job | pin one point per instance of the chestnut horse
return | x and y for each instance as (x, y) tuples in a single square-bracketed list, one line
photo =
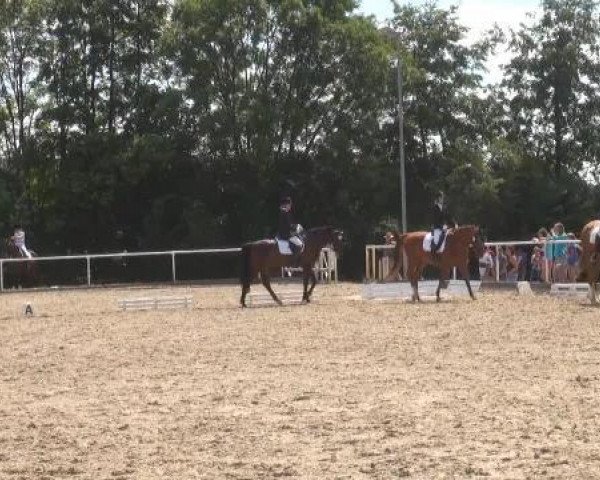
[(590, 257), (461, 243), (263, 256)]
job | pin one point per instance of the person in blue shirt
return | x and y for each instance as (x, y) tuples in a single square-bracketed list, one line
[(559, 251)]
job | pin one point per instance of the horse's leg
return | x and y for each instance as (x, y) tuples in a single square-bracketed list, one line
[(245, 290), (414, 281), (313, 282), (266, 281), (305, 297), (444, 275), (440, 286), (464, 271)]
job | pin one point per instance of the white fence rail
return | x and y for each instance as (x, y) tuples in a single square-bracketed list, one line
[(378, 266), (326, 270)]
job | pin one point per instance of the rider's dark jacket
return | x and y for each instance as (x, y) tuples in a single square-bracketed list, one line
[(287, 226), (441, 217)]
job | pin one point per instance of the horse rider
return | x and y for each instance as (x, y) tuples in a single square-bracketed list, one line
[(441, 222), (288, 229), (18, 238)]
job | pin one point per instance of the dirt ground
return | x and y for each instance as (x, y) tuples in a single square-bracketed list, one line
[(506, 387)]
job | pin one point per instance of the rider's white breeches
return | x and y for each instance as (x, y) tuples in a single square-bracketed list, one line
[(437, 234), (24, 251)]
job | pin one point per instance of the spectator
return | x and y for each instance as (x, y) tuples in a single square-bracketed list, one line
[(391, 263), (486, 265), (524, 257), (545, 237), (502, 263), (573, 255), (537, 264), (512, 265), (559, 258)]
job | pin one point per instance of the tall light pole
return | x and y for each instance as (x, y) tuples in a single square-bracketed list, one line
[(401, 146)]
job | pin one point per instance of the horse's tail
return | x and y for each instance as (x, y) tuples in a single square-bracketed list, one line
[(246, 274), (397, 268)]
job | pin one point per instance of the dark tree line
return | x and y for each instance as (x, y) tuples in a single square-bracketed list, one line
[(150, 124)]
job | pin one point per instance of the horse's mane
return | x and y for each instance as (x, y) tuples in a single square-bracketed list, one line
[(466, 228), (326, 228)]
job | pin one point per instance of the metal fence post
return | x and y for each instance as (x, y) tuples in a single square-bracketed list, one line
[(497, 263), (173, 269), (88, 262)]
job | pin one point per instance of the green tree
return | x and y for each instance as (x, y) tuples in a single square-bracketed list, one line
[(552, 86)]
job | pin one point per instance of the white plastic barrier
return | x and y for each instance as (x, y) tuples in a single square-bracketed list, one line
[(570, 290), (155, 303)]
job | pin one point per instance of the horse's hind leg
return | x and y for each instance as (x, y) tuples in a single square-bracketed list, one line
[(305, 297), (266, 281), (313, 282)]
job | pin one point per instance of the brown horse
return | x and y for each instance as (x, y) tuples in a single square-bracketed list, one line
[(263, 256), (461, 243), (590, 257), (23, 273)]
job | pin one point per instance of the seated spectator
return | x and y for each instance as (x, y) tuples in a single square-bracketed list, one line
[(537, 264), (573, 255)]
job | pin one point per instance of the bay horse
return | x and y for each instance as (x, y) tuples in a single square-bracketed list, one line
[(260, 257), (590, 257), (461, 244), (23, 273)]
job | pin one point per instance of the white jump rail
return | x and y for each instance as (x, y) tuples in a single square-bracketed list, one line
[(570, 290), (291, 297), (155, 303), (167, 253)]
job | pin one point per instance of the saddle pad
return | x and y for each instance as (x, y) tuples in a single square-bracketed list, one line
[(429, 239), (284, 247)]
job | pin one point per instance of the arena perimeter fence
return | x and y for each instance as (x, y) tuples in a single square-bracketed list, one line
[(377, 264), (174, 266)]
